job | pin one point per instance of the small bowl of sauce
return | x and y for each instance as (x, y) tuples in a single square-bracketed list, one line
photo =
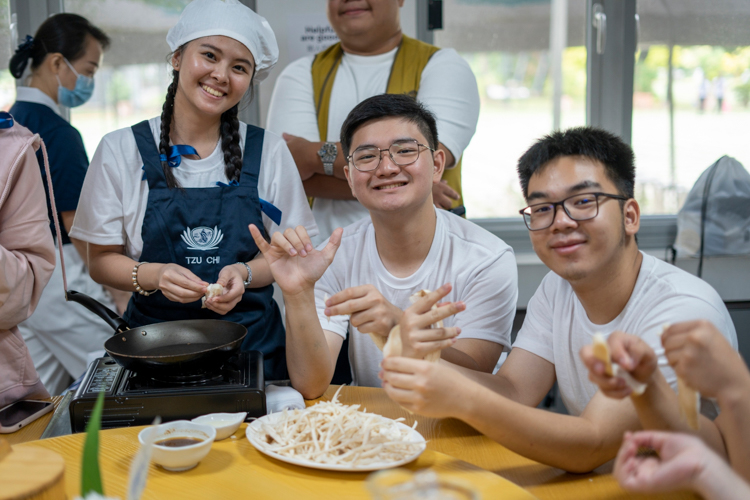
[(179, 445), (178, 442)]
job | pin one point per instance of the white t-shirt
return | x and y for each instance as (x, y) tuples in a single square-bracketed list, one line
[(480, 266), (557, 326), (114, 195), (447, 88)]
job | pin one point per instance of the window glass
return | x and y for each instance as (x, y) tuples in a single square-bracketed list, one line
[(7, 83), (710, 94), (132, 82), (506, 43)]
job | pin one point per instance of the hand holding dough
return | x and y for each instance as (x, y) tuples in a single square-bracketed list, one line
[(601, 352), (394, 346), (212, 290)]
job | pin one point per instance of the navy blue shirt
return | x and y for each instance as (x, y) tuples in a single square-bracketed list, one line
[(67, 156)]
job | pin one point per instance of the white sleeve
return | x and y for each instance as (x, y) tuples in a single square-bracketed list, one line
[(449, 89), (490, 300), (326, 287), (535, 335), (292, 108), (99, 216), (280, 184)]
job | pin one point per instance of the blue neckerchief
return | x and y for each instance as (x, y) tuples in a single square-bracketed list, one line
[(175, 156), (267, 208), (6, 120), (176, 153)]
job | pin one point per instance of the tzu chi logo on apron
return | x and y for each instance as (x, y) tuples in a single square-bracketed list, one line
[(202, 238)]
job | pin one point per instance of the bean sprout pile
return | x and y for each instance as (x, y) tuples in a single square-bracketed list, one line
[(333, 433)]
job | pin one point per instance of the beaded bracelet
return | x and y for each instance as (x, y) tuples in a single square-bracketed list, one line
[(135, 280)]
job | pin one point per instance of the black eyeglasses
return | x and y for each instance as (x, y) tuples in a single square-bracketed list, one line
[(578, 207), (402, 153)]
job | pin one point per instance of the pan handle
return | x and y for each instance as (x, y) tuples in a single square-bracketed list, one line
[(96, 307)]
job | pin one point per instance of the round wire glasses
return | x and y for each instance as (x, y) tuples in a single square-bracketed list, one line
[(402, 153)]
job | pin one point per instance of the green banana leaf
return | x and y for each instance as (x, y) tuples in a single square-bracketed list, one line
[(91, 479)]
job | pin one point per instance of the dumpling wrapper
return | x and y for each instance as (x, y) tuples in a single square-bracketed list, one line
[(690, 404), (688, 398), (393, 345), (212, 290), (601, 351)]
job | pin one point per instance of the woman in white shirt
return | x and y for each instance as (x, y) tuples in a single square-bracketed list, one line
[(167, 226)]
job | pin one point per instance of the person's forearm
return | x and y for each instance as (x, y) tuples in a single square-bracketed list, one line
[(261, 272), (734, 403), (116, 270), (570, 443), (459, 358), (309, 162), (658, 409), (718, 482), (495, 383), (325, 186), (308, 356)]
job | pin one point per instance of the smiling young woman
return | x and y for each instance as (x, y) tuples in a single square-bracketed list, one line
[(166, 203)]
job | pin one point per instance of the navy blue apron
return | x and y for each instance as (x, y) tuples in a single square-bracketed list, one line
[(203, 230)]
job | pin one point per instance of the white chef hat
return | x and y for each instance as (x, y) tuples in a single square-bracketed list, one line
[(232, 19)]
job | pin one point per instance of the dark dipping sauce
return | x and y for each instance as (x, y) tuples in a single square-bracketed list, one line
[(177, 442)]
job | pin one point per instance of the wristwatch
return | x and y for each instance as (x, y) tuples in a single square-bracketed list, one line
[(327, 154), (249, 274)]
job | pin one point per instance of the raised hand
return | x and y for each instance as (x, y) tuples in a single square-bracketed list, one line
[(631, 353), (370, 312), (703, 358), (418, 338), (232, 279), (295, 264), (179, 284)]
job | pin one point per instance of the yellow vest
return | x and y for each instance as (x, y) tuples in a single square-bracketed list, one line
[(406, 73)]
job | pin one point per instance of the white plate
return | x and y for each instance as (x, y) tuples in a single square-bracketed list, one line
[(255, 426)]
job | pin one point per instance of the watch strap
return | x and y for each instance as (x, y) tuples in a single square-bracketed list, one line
[(249, 274)]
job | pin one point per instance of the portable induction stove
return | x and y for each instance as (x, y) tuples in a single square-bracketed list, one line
[(132, 399)]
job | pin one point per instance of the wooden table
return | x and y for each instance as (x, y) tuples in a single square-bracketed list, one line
[(444, 436)]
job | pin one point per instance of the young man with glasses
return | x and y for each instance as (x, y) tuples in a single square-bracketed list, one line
[(583, 222), (405, 246)]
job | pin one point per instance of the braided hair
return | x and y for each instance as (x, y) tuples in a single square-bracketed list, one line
[(229, 130), (166, 122)]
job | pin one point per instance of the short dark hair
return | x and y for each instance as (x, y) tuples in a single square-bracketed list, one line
[(61, 33), (594, 143), (389, 106)]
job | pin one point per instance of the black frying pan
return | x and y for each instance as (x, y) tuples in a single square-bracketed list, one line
[(173, 348)]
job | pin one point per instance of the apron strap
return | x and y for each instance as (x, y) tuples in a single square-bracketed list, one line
[(150, 155), (251, 157), (251, 169)]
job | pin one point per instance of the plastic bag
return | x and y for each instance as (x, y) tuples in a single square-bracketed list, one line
[(720, 199)]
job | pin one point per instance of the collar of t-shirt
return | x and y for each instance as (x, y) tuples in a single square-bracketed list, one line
[(356, 60), (31, 94), (203, 165), (647, 265), (431, 262)]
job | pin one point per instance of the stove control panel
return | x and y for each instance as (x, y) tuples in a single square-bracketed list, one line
[(104, 378)]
